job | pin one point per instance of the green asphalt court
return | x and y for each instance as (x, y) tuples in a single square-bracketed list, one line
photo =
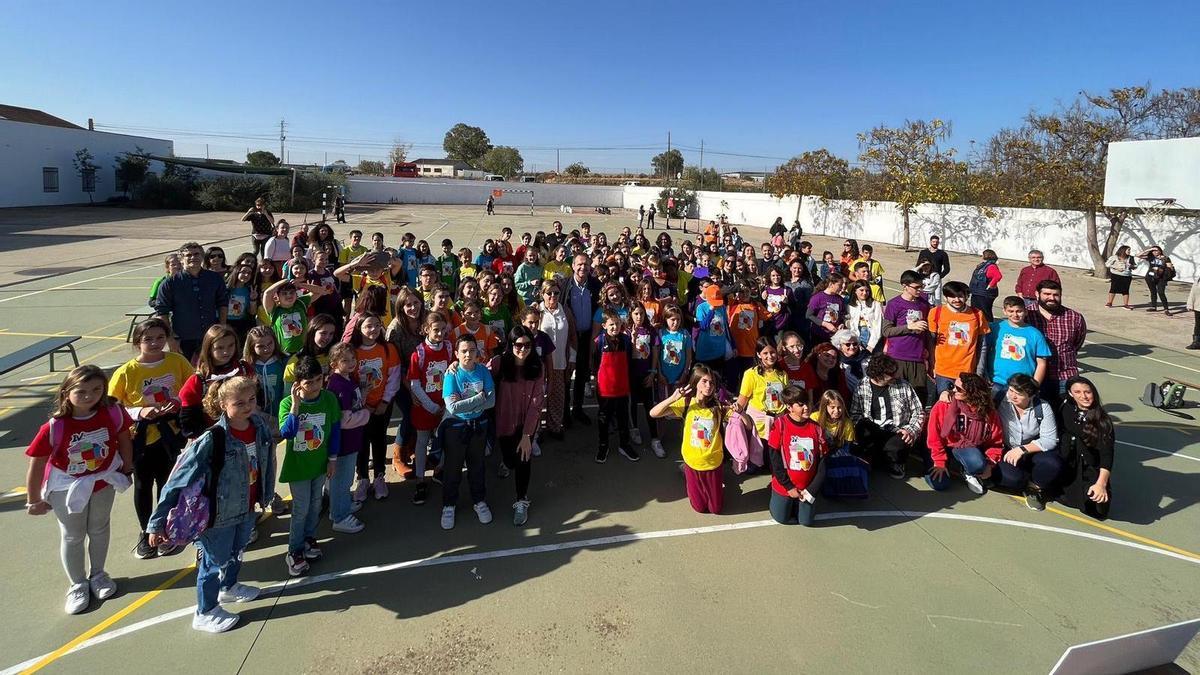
[(614, 571)]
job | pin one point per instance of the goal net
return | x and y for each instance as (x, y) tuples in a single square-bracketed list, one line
[(513, 202)]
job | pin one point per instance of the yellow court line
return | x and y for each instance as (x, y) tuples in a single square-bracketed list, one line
[(100, 627), (139, 603), (1114, 530), (85, 337)]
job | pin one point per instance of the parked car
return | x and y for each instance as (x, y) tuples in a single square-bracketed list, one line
[(492, 176), (631, 183)]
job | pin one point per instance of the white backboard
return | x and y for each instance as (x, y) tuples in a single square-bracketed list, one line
[(1161, 169), (1128, 653)]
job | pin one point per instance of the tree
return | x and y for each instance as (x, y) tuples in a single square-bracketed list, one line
[(85, 168), (682, 206), (399, 152), (131, 169), (1177, 113), (818, 173), (577, 170), (695, 178), (668, 164), (913, 168), (372, 168), (502, 161), (262, 158), (465, 143)]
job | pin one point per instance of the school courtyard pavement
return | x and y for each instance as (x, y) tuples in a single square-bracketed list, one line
[(614, 570)]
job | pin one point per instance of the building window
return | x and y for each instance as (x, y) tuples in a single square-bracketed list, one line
[(122, 185), (437, 170), (49, 179), (89, 180)]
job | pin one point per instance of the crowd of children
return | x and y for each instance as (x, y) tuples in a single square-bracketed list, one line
[(774, 359)]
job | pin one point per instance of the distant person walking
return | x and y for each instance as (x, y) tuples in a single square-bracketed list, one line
[(1120, 274), (262, 225), (491, 205), (339, 208), (641, 215), (650, 216)]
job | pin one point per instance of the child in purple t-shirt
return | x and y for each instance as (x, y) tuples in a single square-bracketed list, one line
[(342, 366), (906, 331), (827, 309)]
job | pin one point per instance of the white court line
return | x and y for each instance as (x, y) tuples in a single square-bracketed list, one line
[(275, 589), (1129, 353), (76, 283), (1161, 452)]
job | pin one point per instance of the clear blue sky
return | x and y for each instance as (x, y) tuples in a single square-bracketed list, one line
[(754, 78)]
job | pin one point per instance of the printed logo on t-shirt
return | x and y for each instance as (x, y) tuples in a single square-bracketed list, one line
[(642, 345), (702, 432), (774, 303), (252, 459), (471, 388), (87, 451), (800, 453), (370, 372), (237, 308), (497, 326), (650, 313), (664, 292), (773, 396), (913, 315), (831, 313), (1012, 347), (447, 268), (312, 432), (745, 319), (435, 372), (960, 333), (717, 327), (291, 325), (156, 391)]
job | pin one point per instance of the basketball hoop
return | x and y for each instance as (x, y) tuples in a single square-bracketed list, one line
[(1156, 207)]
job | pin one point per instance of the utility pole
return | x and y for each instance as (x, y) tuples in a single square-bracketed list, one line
[(701, 163), (282, 138), (668, 159), (206, 151), (557, 166)]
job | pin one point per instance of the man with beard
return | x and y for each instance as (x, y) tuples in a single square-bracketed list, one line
[(852, 358), (1065, 330), (936, 256), (556, 238)]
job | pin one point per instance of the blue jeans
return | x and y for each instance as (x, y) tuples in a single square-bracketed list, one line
[(306, 511), (220, 561), (788, 511), (973, 462), (339, 487), (941, 384)]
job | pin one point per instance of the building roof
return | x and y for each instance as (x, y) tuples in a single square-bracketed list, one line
[(444, 162), (30, 116)]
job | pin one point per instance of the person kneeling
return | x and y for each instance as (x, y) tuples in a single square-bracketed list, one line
[(1030, 440), (969, 426), (797, 445)]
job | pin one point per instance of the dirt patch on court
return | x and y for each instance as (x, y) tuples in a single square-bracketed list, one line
[(457, 649)]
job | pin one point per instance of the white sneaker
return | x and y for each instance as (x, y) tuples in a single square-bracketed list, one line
[(79, 596), (349, 524), (237, 593), (216, 621), (447, 517), (974, 484), (380, 487), (656, 447), (360, 490), (103, 587), (635, 435), (484, 513)]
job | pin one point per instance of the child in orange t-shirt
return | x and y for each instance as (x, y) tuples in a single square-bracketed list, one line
[(745, 319), (472, 324), (960, 331)]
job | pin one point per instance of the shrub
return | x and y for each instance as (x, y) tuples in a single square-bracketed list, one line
[(155, 192), (230, 193), (309, 187)]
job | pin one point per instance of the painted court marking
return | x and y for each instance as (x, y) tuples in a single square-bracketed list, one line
[(95, 636), (76, 283)]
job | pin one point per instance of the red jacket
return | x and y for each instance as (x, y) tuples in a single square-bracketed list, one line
[(991, 442), (612, 370)]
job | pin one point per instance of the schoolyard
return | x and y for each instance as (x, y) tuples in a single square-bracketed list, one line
[(614, 570)]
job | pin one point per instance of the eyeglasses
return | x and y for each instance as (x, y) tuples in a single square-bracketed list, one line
[(958, 388), (522, 344)]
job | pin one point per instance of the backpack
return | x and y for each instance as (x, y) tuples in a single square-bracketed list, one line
[(1165, 396), (846, 477), (979, 281), (196, 509)]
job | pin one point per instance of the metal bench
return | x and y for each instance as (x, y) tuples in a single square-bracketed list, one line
[(137, 316), (62, 344)]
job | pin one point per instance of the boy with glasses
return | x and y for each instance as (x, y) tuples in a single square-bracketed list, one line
[(906, 331)]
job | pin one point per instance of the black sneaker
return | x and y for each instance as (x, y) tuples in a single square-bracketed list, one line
[(582, 418), (144, 551), (896, 470), (420, 493), (629, 453), (602, 455), (1034, 501)]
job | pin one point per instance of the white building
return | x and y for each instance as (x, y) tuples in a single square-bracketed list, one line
[(38, 150), (445, 168)]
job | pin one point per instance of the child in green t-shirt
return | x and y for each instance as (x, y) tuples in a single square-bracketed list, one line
[(289, 311), (310, 423), (448, 264)]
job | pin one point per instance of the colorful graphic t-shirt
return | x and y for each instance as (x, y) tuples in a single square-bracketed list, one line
[(765, 393), (306, 456), (427, 367), (375, 365), (901, 312), (828, 308), (802, 446), (1016, 350), (249, 440), (643, 341), (289, 324), (485, 340), (702, 446), (675, 347), (350, 399), (239, 303), (745, 319), (139, 385), (464, 384), (958, 336), (711, 341), (85, 446)]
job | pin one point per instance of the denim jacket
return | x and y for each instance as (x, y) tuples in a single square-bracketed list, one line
[(233, 502)]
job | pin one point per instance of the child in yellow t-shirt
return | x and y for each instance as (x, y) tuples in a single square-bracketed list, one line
[(761, 393), (702, 447)]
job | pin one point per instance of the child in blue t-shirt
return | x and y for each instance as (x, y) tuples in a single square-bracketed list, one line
[(1016, 347), (468, 391)]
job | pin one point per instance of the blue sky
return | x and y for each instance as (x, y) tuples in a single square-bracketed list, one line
[(765, 79)]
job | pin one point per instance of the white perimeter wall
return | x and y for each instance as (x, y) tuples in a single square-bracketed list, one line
[(26, 148), (432, 191)]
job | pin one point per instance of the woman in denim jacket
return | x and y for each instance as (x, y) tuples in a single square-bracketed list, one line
[(247, 477)]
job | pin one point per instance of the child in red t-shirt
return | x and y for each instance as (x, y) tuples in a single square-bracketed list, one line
[(612, 361), (797, 445), (426, 371), (73, 463)]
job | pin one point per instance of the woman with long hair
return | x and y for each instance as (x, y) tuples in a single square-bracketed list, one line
[(520, 391), (1120, 274), (969, 427), (1086, 446)]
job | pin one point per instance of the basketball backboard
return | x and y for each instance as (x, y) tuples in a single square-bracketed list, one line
[(1164, 169)]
